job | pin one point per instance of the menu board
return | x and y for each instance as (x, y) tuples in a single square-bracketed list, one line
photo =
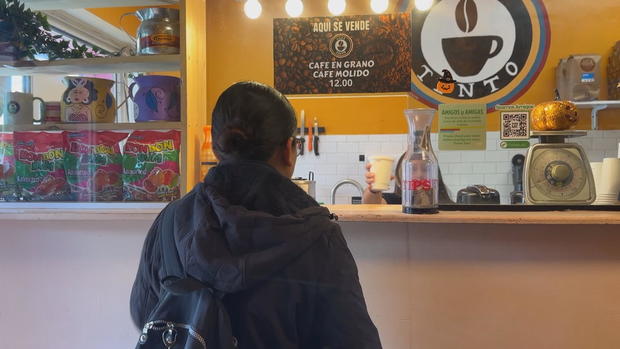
[(369, 53), (462, 127)]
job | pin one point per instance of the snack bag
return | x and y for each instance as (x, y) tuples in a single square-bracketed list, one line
[(8, 187), (39, 166), (93, 162), (151, 166)]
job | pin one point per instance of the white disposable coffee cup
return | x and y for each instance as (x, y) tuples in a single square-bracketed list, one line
[(597, 171), (381, 166), (610, 176)]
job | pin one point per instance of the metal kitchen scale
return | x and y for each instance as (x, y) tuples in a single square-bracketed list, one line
[(558, 173)]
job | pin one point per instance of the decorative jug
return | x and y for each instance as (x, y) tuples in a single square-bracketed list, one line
[(158, 32), (420, 184), (158, 98), (87, 100)]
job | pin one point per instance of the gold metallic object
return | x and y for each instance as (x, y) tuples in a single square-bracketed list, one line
[(554, 116)]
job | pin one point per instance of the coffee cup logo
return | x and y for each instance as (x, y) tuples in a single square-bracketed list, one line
[(341, 45), (485, 44)]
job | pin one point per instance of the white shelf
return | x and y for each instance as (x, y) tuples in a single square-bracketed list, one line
[(152, 63), (596, 106), (154, 125), (67, 4)]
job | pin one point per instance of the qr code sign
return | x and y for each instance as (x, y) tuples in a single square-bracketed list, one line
[(515, 125)]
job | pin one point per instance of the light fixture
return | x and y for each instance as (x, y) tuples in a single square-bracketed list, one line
[(294, 8), (336, 7), (252, 9), (379, 6), (423, 5)]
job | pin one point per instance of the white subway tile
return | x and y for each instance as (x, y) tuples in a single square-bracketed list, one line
[(471, 179), (333, 138), (357, 138), (503, 167), (494, 179), (449, 156), (327, 169), (390, 148), (347, 147), (496, 155), (460, 168), (336, 158), (472, 155), (451, 179), (612, 134), (347, 170), (483, 167), (604, 144)]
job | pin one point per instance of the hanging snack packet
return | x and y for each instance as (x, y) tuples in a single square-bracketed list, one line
[(39, 166), (151, 166), (94, 165), (8, 187)]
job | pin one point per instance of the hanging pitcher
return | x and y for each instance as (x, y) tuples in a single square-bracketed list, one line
[(158, 98), (158, 32), (420, 184)]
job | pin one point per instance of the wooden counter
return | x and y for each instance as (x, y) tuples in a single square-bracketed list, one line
[(345, 213), (392, 213)]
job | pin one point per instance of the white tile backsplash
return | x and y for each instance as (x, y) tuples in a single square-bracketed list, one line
[(339, 159)]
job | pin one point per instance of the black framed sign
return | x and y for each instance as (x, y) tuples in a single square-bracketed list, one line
[(346, 54)]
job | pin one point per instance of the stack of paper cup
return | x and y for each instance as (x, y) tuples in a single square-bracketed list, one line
[(610, 182)]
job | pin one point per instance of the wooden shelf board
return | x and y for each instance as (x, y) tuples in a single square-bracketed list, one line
[(155, 125), (68, 4), (154, 63)]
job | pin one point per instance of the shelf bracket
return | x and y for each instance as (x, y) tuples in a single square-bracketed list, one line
[(595, 110)]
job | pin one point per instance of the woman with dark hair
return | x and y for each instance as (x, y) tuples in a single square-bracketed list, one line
[(249, 232)]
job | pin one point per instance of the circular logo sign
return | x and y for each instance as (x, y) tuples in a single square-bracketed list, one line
[(13, 107), (340, 45), (491, 50)]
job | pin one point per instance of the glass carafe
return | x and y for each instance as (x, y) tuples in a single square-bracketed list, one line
[(420, 184)]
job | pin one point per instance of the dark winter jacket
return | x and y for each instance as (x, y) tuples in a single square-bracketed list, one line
[(290, 279)]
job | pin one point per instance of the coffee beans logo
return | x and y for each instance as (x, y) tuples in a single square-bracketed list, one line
[(495, 49)]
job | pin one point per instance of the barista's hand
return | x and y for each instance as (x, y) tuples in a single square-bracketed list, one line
[(370, 176)]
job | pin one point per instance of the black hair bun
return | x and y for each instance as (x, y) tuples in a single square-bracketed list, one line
[(234, 141)]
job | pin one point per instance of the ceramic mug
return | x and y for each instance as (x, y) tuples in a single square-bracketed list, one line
[(18, 108), (158, 98), (87, 100)]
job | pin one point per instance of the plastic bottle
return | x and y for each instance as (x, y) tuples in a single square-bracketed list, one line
[(207, 156)]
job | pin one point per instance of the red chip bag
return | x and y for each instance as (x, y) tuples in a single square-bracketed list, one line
[(8, 187), (151, 166), (94, 165), (39, 166)]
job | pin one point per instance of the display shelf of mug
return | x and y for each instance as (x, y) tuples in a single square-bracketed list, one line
[(153, 125), (596, 106), (69, 4), (98, 65)]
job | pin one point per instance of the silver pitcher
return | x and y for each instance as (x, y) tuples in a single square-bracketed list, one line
[(159, 31)]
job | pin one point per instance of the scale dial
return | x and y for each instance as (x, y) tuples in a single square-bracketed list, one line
[(557, 174)]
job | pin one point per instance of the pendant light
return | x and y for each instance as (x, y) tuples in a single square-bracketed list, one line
[(336, 7), (423, 5), (379, 6), (294, 8), (252, 9)]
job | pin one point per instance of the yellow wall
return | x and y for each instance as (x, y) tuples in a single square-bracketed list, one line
[(239, 48)]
